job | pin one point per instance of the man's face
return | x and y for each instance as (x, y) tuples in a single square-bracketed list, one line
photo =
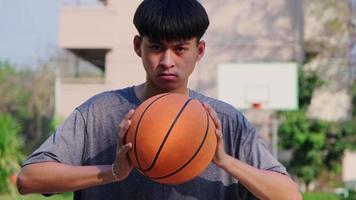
[(168, 64)]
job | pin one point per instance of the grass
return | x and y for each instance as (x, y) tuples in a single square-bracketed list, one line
[(69, 196), (14, 195), (319, 196), (66, 196)]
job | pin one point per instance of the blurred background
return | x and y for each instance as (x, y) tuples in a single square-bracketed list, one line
[(288, 65)]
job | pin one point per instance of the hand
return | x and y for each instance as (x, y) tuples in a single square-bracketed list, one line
[(220, 155), (122, 165)]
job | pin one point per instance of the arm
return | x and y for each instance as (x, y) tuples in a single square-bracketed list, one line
[(53, 177), (263, 184)]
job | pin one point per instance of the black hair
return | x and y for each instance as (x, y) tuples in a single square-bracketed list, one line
[(171, 20)]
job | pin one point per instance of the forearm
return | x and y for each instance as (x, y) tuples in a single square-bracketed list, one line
[(262, 183), (52, 177)]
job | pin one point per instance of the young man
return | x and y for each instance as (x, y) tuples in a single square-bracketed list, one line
[(87, 155)]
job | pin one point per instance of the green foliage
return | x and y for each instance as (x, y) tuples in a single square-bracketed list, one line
[(307, 139), (307, 82), (26, 116), (28, 96), (351, 195), (10, 153), (353, 99), (15, 93), (316, 145)]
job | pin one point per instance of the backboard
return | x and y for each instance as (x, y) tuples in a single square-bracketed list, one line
[(272, 86)]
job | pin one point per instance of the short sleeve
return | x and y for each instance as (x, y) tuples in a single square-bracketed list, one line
[(66, 145), (254, 151)]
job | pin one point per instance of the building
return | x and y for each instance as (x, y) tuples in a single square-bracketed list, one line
[(101, 36)]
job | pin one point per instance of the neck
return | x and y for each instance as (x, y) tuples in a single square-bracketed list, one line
[(145, 91)]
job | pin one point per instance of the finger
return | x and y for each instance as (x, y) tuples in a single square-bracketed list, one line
[(124, 149), (213, 115), (219, 135), (124, 126), (122, 155), (122, 132), (126, 118), (129, 114)]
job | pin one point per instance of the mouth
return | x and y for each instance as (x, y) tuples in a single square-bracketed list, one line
[(167, 76)]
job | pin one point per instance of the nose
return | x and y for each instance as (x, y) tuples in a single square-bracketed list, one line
[(167, 60)]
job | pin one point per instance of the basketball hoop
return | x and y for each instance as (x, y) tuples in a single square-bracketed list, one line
[(259, 86), (257, 106)]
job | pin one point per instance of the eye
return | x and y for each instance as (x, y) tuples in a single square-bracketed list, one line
[(155, 47), (180, 49)]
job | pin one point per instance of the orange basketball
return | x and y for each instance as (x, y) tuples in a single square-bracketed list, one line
[(173, 138)]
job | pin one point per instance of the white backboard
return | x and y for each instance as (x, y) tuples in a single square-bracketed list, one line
[(272, 85)]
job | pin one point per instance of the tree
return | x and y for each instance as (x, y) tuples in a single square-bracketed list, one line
[(304, 137), (10, 153), (28, 96), (353, 99), (316, 145)]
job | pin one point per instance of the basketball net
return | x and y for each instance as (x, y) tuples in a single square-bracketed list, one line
[(256, 106)]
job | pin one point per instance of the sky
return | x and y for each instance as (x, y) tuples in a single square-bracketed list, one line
[(28, 31)]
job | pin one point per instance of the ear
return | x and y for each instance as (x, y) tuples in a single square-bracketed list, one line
[(201, 49), (137, 45)]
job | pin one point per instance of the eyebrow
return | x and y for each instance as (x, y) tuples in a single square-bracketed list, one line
[(154, 41), (183, 42)]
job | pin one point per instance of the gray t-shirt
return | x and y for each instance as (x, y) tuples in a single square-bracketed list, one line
[(89, 137)]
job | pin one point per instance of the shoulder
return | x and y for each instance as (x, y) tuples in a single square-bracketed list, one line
[(231, 118), (221, 108), (109, 99)]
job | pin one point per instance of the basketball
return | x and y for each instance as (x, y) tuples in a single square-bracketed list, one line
[(173, 138)]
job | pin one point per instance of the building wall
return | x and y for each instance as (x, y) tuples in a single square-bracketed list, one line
[(349, 172), (249, 31), (98, 27), (327, 35)]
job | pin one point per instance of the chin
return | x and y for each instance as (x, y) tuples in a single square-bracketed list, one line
[(169, 87)]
